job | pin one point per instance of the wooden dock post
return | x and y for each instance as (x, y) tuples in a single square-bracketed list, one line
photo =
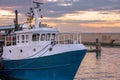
[(98, 48), (98, 45)]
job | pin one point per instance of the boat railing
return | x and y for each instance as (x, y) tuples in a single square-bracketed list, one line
[(68, 38), (59, 38)]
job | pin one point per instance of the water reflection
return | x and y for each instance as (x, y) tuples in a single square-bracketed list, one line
[(103, 67)]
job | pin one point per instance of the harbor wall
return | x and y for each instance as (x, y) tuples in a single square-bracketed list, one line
[(104, 38)]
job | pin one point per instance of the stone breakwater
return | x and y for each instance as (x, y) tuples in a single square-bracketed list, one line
[(104, 38)]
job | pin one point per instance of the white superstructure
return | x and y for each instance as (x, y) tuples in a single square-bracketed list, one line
[(27, 44), (39, 41)]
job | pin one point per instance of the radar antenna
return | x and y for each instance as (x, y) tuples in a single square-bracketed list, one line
[(37, 5)]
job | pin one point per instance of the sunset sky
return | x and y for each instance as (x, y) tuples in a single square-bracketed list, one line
[(68, 15)]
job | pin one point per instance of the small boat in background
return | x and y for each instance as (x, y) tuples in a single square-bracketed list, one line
[(42, 53)]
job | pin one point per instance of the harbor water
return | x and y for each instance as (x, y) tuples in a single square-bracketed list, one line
[(104, 67)]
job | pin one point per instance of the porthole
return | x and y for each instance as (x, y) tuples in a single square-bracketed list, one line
[(10, 51), (21, 50), (34, 49), (50, 49)]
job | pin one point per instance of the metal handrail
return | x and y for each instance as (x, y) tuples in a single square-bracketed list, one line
[(60, 38)]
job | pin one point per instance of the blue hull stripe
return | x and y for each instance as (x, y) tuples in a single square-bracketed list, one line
[(55, 67)]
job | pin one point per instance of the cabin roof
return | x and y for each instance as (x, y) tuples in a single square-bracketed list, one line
[(50, 30), (7, 27)]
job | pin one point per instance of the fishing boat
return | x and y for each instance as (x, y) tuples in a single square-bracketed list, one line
[(42, 53)]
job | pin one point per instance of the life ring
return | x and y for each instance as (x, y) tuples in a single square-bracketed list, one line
[(8, 40)]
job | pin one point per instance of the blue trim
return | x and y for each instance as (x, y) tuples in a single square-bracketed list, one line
[(55, 67)]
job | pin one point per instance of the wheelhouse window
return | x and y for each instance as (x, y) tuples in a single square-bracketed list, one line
[(52, 37), (42, 37), (23, 38), (48, 37), (35, 37), (18, 39), (26, 38)]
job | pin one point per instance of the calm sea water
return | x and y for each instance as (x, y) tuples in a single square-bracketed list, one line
[(104, 67)]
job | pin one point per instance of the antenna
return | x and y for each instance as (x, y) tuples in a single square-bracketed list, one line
[(37, 4), (35, 12)]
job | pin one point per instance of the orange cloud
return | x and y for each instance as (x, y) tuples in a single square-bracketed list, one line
[(7, 16), (91, 15), (101, 24), (101, 18), (6, 13), (8, 7), (52, 0)]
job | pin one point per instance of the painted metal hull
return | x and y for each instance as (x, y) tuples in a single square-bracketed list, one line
[(55, 67)]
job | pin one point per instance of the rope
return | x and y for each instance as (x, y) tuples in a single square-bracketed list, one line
[(37, 52), (52, 44)]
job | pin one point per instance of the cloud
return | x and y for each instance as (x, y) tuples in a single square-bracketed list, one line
[(61, 7), (7, 17), (4, 12), (69, 12), (65, 4), (101, 24), (91, 15), (52, 0)]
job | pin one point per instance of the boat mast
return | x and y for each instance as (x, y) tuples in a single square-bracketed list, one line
[(36, 11), (16, 21)]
